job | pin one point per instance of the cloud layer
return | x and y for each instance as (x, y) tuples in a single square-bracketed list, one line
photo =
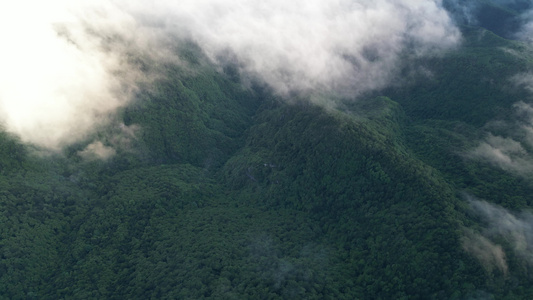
[(67, 66), (316, 45), (57, 80), (526, 32)]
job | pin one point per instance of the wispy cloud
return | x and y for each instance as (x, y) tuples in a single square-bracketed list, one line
[(499, 226), (526, 31), (490, 255), (97, 150), (524, 80), (511, 150), (504, 153), (117, 137)]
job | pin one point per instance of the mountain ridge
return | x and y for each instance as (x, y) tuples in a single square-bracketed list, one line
[(229, 192)]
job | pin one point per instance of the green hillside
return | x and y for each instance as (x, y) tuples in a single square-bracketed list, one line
[(230, 192)]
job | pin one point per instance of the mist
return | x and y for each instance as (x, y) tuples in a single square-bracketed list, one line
[(515, 17), (490, 255), (504, 153), (511, 150), (500, 227), (67, 67)]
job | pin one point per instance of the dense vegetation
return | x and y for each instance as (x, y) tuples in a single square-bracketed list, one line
[(228, 192)]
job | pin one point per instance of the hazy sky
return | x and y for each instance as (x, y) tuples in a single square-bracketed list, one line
[(64, 69)]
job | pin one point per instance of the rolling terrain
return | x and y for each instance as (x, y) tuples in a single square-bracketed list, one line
[(221, 188)]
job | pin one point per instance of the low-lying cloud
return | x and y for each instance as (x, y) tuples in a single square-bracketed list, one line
[(512, 152), (117, 136), (58, 81), (499, 225), (490, 255), (350, 46), (97, 150), (504, 153), (526, 31), (67, 66)]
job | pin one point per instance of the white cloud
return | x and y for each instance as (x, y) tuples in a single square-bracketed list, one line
[(489, 254), (97, 150), (312, 45), (526, 32), (504, 153), (499, 224), (512, 151), (524, 80), (66, 66), (53, 88)]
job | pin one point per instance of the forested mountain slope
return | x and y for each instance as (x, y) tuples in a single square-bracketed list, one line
[(228, 191)]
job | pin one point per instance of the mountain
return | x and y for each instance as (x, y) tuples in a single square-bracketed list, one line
[(227, 190)]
